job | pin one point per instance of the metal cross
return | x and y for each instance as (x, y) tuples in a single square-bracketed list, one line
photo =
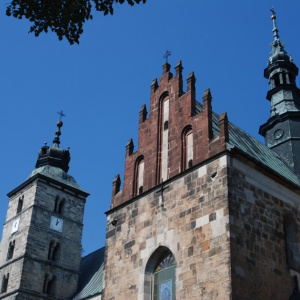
[(61, 114), (167, 54), (161, 190), (273, 11)]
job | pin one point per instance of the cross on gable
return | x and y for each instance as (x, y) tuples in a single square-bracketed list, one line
[(167, 54)]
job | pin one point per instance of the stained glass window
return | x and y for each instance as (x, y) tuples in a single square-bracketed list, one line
[(164, 279), (167, 262)]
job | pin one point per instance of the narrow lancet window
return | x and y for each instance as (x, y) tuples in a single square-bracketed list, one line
[(59, 205), (187, 148), (53, 252), (4, 283), (49, 282), (140, 184), (10, 252), (165, 140), (139, 174), (20, 204)]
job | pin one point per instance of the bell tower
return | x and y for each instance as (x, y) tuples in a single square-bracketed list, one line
[(40, 250), (282, 130)]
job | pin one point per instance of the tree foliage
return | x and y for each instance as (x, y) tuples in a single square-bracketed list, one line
[(64, 17)]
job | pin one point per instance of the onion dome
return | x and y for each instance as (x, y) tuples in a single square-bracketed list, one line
[(54, 156)]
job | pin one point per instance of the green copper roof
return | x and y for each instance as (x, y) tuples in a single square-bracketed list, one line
[(255, 150), (90, 281), (57, 174)]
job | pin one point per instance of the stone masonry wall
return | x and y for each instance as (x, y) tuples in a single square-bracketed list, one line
[(191, 220), (258, 206), (30, 263)]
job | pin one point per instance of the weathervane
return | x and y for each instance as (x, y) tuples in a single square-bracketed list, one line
[(61, 114), (167, 54)]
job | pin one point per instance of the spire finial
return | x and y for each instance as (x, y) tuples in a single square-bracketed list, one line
[(59, 124), (275, 30)]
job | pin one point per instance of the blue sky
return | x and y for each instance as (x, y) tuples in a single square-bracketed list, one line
[(102, 83)]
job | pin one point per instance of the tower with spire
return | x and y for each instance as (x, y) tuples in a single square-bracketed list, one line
[(41, 243), (282, 130)]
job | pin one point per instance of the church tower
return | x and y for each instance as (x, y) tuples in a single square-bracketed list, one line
[(41, 243), (282, 130)]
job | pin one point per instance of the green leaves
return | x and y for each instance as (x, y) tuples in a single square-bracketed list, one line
[(64, 17)]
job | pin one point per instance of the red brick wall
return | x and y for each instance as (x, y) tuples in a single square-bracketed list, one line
[(182, 113)]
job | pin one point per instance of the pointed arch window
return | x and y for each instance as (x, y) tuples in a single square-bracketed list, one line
[(160, 275), (59, 205), (139, 176), (10, 252), (164, 279), (4, 283), (187, 148), (20, 204), (49, 284), (165, 139), (53, 252)]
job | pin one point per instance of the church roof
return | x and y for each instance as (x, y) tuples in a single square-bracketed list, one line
[(90, 282), (255, 150), (57, 174)]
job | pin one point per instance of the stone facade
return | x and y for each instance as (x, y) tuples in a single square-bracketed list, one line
[(191, 219), (259, 206), (30, 261)]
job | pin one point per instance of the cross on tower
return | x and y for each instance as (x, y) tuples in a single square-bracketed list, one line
[(167, 54), (61, 114), (273, 11)]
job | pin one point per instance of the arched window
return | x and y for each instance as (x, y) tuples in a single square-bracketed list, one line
[(49, 284), (164, 139), (139, 176), (160, 275), (53, 252), (187, 148), (59, 205), (291, 243), (4, 283), (56, 204), (10, 252), (20, 204)]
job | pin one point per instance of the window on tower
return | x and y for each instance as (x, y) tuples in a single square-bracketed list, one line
[(49, 284), (10, 252), (59, 205), (53, 253), (4, 283), (20, 204)]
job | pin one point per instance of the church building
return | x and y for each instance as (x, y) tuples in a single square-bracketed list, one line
[(205, 211)]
